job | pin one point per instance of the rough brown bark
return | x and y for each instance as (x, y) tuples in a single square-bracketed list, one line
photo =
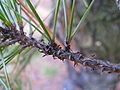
[(13, 36)]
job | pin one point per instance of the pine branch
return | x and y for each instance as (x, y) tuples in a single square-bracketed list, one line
[(14, 36)]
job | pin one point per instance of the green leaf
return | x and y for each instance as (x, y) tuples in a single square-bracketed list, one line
[(5, 70), (71, 20), (4, 19), (65, 17), (55, 18), (4, 11), (10, 56), (24, 63), (24, 54), (26, 20), (2, 82), (38, 18), (9, 12), (85, 3), (18, 17), (9, 3), (82, 20)]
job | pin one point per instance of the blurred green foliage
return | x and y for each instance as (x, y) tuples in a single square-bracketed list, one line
[(49, 71)]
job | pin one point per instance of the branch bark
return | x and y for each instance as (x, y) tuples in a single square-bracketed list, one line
[(13, 36)]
